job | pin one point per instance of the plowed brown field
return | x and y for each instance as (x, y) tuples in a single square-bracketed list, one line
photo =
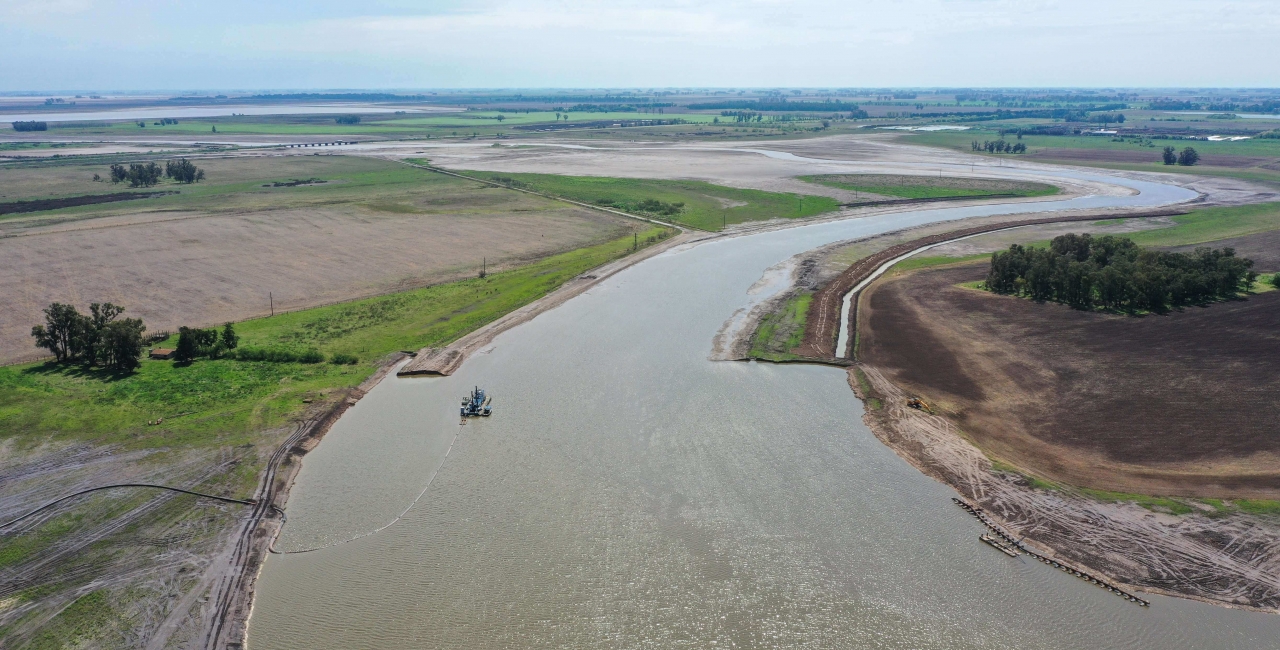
[(1182, 404)]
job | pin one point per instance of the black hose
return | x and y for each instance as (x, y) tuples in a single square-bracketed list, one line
[(123, 485)]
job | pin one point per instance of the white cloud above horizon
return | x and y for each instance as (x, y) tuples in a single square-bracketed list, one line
[(105, 44)]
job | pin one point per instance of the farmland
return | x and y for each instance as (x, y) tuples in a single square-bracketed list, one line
[(1085, 398), (702, 205), (236, 246)]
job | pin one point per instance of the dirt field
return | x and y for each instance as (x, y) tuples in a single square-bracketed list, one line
[(1181, 404), (217, 253), (1263, 248)]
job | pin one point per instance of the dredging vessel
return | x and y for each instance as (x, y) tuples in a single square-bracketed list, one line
[(477, 404)]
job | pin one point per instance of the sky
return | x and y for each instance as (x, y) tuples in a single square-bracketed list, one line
[(50, 45)]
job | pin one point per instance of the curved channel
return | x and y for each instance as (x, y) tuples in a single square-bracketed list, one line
[(627, 492)]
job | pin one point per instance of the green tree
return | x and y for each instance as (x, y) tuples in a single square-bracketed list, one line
[(121, 343), (1170, 156), (61, 331), (1188, 157), (229, 337), (194, 342), (100, 316), (183, 171)]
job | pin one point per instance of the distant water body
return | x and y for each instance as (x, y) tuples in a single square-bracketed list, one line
[(629, 493), (188, 112)]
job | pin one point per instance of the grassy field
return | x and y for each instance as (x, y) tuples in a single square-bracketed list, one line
[(782, 331), (226, 402), (378, 125), (704, 206), (930, 187), (231, 182), (1213, 224), (960, 141), (216, 251), (1252, 160)]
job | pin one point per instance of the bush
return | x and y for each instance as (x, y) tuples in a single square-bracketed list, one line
[(1275, 280), (341, 359), (311, 356)]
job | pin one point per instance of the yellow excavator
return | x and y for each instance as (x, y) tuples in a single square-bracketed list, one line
[(919, 405)]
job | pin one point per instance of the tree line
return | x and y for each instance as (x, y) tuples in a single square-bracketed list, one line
[(197, 343), (998, 146), (99, 338), (31, 126), (347, 119), (1187, 157), (194, 342), (1114, 273), (148, 174)]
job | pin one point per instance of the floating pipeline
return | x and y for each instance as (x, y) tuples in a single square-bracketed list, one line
[(977, 513)]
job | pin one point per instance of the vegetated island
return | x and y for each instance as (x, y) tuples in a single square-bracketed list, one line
[(1129, 432)]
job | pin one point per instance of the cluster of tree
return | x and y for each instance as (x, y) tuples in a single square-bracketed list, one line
[(1273, 134), (1172, 105), (998, 146), (138, 174), (1107, 118), (183, 171), (31, 126), (194, 343), (743, 116), (654, 206), (1115, 273), (1187, 157), (96, 338), (1265, 106), (347, 119), (166, 121), (601, 108), (651, 206), (780, 104)]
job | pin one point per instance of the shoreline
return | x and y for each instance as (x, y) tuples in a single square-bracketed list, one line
[(1176, 556), (237, 579), (1119, 533)]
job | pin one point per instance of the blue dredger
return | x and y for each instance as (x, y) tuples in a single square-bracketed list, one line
[(477, 404)]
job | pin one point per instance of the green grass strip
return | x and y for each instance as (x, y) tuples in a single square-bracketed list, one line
[(227, 402), (704, 206)]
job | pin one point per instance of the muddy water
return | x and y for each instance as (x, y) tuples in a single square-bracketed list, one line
[(630, 493)]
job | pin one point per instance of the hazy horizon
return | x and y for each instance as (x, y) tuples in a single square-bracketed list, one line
[(490, 44)]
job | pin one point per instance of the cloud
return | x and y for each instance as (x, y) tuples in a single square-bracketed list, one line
[(485, 43)]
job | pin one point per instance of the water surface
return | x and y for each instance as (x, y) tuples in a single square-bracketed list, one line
[(630, 493)]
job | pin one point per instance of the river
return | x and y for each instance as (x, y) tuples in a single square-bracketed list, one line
[(629, 493)]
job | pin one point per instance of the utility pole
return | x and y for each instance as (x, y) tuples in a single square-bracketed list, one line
[(635, 241), (272, 299)]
